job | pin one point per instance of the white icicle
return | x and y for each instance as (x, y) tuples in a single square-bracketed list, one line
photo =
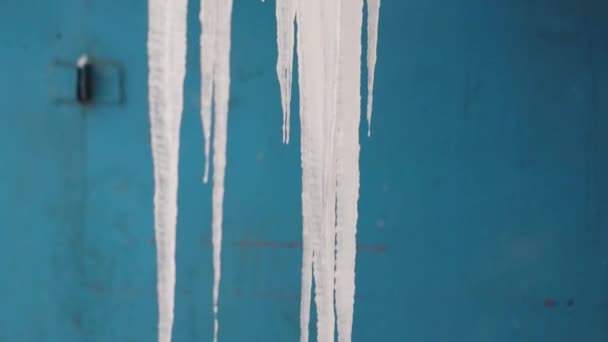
[(329, 63), (373, 15), (286, 13), (318, 23), (216, 18), (208, 19), (310, 65), (330, 17), (347, 147), (166, 63)]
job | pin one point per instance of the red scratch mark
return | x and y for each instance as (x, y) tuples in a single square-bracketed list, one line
[(294, 244), (268, 244), (550, 303), (99, 289), (371, 248), (275, 295)]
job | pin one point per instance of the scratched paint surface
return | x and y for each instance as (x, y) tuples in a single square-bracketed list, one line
[(483, 204)]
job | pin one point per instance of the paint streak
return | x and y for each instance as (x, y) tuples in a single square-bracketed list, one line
[(329, 63), (216, 17), (347, 163), (286, 14), (373, 16), (167, 68)]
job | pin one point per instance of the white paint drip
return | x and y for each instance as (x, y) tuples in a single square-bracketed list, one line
[(310, 87), (286, 14), (324, 283), (329, 50), (329, 61), (215, 64), (347, 165), (167, 59), (208, 19), (373, 16)]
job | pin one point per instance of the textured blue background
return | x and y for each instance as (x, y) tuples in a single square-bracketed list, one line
[(484, 195)]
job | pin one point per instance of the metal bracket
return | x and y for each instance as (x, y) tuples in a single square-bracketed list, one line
[(96, 81)]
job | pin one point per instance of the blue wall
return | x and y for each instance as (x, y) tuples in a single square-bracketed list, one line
[(484, 195)]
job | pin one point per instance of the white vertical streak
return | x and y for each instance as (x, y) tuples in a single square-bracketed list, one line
[(215, 17), (330, 16), (208, 19), (221, 88), (166, 63), (329, 66), (347, 147), (373, 14), (310, 65), (286, 13), (318, 43)]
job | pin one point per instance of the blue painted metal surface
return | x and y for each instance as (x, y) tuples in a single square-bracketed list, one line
[(484, 197)]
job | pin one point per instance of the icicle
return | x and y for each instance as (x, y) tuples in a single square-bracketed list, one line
[(310, 89), (329, 62), (166, 62), (286, 13), (318, 23), (347, 150), (373, 14), (215, 18), (208, 19), (311, 106), (221, 85), (330, 15)]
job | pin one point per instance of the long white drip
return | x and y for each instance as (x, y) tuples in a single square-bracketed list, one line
[(166, 62), (318, 45), (329, 52), (208, 19), (310, 88), (216, 18), (221, 85), (373, 16), (329, 63), (347, 168), (286, 14), (325, 283)]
